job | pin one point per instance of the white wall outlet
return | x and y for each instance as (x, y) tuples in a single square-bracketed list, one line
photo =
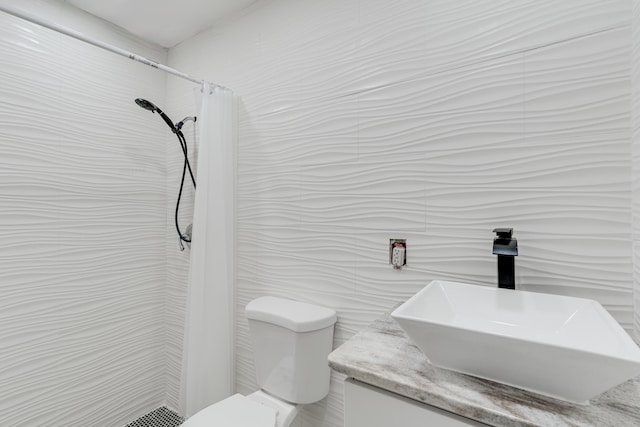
[(397, 253)]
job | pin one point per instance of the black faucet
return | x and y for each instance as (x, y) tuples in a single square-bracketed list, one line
[(506, 247)]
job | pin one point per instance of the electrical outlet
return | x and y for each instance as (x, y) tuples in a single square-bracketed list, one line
[(397, 253)]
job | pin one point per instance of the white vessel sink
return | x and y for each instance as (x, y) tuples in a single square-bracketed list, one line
[(563, 347)]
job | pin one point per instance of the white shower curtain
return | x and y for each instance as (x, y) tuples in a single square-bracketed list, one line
[(208, 351)]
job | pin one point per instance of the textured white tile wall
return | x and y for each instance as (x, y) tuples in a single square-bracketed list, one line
[(635, 143), (434, 121), (83, 222)]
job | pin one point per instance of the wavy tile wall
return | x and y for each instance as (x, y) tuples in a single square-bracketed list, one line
[(635, 160), (83, 220), (431, 121)]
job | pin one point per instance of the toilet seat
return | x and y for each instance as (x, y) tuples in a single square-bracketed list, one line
[(236, 410)]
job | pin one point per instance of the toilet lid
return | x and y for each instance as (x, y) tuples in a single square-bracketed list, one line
[(236, 410)]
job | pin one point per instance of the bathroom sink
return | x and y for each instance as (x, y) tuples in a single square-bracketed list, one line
[(564, 347)]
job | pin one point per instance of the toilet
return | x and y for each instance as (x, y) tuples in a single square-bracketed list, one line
[(291, 341)]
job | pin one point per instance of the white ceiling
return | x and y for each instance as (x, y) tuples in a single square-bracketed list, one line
[(164, 22)]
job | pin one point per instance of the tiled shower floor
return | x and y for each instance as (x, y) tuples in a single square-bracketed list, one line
[(161, 417)]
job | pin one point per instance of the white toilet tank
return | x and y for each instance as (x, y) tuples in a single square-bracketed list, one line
[(291, 342)]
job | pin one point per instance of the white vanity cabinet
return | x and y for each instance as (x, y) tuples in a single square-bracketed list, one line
[(368, 406)]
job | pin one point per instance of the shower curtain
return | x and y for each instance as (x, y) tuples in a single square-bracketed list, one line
[(208, 351)]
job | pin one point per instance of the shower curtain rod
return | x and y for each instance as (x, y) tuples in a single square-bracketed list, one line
[(79, 36)]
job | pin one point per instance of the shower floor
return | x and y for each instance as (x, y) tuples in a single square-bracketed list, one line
[(161, 417)]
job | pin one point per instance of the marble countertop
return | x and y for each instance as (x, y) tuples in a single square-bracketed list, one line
[(383, 356)]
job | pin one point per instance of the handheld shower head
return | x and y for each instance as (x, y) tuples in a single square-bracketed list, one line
[(176, 129), (146, 104), (152, 107)]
